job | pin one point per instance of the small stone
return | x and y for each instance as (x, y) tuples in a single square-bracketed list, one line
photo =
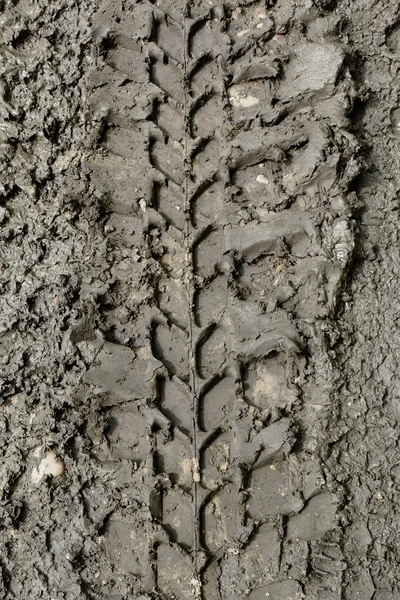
[(262, 179), (51, 464)]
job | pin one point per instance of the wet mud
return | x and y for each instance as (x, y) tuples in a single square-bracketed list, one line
[(198, 329)]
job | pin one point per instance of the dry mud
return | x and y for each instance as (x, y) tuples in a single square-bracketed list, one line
[(199, 224)]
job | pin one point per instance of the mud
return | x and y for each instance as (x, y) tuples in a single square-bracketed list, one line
[(364, 449), (198, 339)]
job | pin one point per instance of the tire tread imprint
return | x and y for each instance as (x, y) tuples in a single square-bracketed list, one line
[(203, 154)]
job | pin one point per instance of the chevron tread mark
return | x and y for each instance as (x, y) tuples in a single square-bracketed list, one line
[(219, 164)]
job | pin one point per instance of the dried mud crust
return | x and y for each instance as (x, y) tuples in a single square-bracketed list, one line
[(223, 161), (204, 228), (364, 450), (49, 231)]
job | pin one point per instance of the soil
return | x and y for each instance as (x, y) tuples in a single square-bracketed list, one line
[(199, 224)]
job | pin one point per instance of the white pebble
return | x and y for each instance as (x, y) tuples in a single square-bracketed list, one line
[(51, 464)]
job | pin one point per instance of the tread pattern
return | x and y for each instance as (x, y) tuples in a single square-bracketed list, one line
[(222, 190)]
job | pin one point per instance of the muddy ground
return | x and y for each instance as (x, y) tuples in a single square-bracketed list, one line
[(199, 222)]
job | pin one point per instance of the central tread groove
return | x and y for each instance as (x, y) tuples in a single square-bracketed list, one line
[(190, 294)]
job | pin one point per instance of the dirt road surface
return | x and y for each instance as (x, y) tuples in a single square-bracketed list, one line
[(199, 311)]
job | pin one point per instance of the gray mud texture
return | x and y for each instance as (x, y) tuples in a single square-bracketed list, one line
[(199, 259)]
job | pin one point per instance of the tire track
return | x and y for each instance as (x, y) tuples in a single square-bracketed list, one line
[(226, 182)]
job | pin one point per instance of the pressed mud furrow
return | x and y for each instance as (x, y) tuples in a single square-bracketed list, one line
[(177, 219), (243, 230)]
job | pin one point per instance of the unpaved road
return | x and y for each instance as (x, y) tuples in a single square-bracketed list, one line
[(199, 257)]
